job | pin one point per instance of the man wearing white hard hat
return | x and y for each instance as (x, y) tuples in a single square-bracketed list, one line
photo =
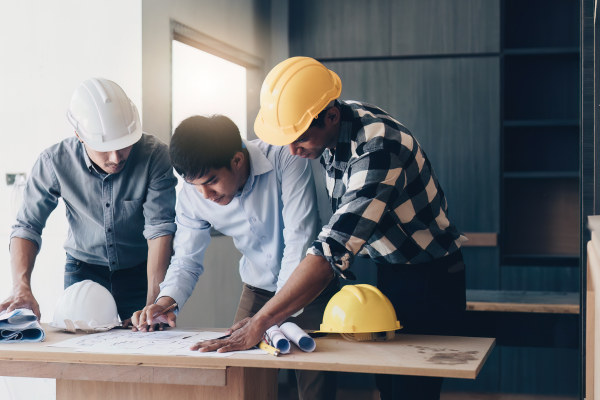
[(118, 187)]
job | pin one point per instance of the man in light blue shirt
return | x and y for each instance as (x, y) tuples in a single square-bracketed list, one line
[(261, 196)]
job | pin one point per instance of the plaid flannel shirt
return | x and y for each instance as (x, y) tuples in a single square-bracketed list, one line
[(386, 199)]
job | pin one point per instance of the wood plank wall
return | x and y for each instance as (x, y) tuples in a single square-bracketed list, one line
[(435, 65)]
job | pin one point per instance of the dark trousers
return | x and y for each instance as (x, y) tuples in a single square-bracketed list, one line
[(128, 286), (429, 300), (313, 385)]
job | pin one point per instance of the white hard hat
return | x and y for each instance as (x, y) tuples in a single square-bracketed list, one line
[(86, 305), (103, 116)]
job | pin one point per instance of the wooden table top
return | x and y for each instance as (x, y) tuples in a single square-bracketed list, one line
[(442, 356)]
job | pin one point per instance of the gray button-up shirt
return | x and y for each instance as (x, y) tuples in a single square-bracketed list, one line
[(110, 215)]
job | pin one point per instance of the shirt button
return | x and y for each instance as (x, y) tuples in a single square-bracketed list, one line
[(263, 238), (109, 230), (253, 219), (269, 256), (107, 204), (110, 245), (113, 263)]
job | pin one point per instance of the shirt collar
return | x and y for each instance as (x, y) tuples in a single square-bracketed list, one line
[(259, 164), (339, 158)]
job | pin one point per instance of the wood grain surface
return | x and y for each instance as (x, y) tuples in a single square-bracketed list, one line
[(443, 356), (522, 301)]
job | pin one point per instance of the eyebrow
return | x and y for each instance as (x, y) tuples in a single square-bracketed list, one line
[(209, 180)]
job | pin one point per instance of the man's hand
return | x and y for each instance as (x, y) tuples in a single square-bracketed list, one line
[(21, 298), (148, 313), (246, 334)]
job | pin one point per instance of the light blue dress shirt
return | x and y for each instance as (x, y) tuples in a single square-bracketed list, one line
[(272, 221)]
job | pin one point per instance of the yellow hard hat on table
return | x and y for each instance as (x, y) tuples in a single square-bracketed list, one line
[(292, 96), (359, 312)]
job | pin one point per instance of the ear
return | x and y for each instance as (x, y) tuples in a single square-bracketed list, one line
[(78, 137), (238, 160), (333, 116)]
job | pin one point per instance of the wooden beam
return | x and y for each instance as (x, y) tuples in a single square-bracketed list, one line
[(115, 373), (481, 239)]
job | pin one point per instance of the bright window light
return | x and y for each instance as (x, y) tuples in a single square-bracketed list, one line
[(204, 84)]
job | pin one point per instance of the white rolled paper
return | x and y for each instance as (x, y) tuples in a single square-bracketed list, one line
[(298, 336), (278, 339)]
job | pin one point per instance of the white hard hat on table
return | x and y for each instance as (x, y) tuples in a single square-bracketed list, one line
[(103, 116), (86, 305)]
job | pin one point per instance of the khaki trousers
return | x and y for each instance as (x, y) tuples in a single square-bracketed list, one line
[(313, 385)]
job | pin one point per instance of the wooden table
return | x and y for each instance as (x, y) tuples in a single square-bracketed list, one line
[(94, 376)]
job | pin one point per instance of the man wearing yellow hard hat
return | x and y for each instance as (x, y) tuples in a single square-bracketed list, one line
[(388, 206)]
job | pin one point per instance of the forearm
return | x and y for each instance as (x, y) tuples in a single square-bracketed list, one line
[(22, 258), (160, 251), (304, 285)]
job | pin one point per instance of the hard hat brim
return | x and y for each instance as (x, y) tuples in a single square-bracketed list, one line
[(114, 145), (265, 134)]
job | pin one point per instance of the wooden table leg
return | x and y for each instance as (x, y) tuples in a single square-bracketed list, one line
[(242, 383)]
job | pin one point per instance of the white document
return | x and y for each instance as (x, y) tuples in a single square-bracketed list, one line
[(20, 325), (298, 336), (167, 343)]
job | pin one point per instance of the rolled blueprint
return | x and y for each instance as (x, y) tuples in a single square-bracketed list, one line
[(278, 340), (298, 336)]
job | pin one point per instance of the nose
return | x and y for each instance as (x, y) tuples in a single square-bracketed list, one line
[(114, 157), (204, 191), (294, 149)]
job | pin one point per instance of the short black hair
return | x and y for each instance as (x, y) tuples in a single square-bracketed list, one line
[(319, 122), (200, 144)]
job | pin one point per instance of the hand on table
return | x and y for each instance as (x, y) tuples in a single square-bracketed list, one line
[(244, 335), (21, 298), (149, 312)]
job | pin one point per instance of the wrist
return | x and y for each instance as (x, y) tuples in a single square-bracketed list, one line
[(21, 288), (165, 301)]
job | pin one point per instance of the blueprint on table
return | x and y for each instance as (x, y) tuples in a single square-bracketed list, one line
[(166, 343), (20, 325)]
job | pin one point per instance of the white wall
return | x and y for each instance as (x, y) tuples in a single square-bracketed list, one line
[(47, 48)]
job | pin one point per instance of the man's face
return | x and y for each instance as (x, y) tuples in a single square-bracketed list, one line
[(311, 144), (220, 185), (316, 139), (110, 162)]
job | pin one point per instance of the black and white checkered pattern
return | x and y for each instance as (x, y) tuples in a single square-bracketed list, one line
[(386, 199)]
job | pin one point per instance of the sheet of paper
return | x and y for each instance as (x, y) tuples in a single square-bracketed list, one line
[(146, 343)]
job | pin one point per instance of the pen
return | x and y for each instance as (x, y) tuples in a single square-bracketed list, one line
[(269, 349), (166, 310)]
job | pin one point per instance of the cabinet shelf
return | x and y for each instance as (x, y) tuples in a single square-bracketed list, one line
[(541, 260), (534, 51), (541, 174), (523, 123)]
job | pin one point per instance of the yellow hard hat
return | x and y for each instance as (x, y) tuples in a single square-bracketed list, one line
[(359, 309), (292, 95)]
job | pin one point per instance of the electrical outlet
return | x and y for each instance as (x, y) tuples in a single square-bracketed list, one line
[(11, 178)]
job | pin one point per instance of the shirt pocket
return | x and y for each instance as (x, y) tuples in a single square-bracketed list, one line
[(132, 218)]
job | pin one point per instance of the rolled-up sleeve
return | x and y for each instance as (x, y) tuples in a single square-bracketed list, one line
[(40, 198), (190, 243), (375, 180), (159, 207), (299, 212)]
